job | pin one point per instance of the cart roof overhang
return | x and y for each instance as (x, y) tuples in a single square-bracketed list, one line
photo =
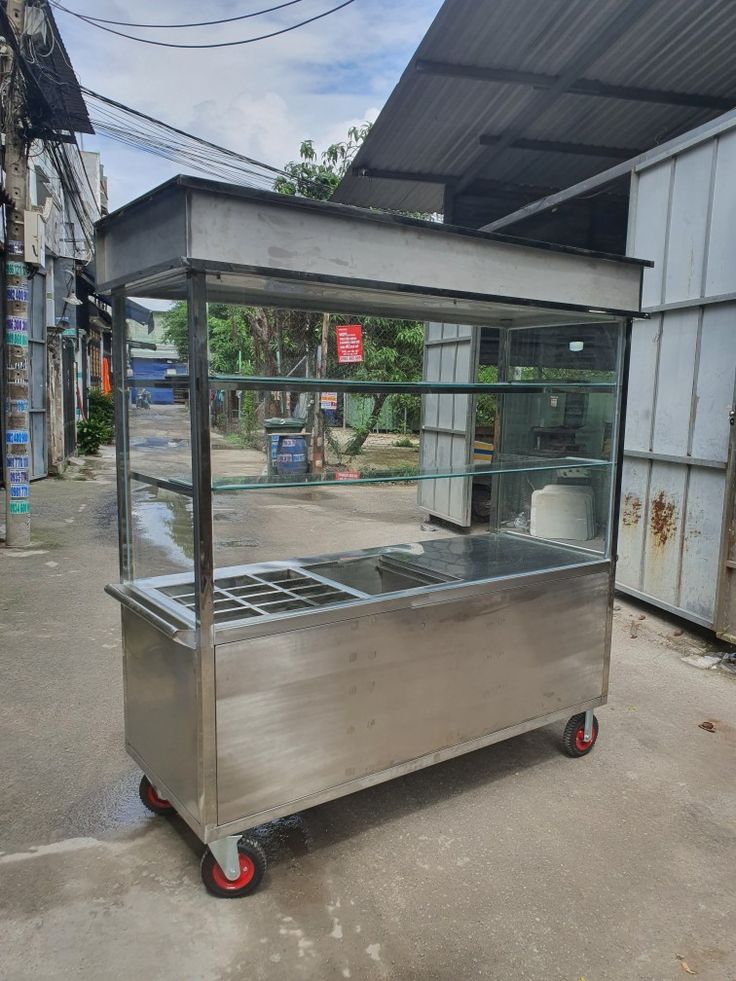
[(261, 248)]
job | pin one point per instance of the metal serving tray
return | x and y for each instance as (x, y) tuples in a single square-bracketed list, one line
[(291, 590), (260, 594)]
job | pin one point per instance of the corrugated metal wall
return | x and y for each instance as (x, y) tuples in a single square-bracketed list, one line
[(450, 355), (676, 499)]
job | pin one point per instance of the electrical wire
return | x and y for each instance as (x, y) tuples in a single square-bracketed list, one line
[(199, 23), (220, 44), (143, 132)]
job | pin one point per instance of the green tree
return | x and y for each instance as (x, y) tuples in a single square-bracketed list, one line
[(392, 349), (230, 336), (260, 338), (316, 175)]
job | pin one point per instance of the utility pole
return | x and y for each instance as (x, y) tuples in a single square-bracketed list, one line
[(17, 437)]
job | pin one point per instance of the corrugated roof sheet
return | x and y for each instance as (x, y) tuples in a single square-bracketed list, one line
[(54, 100), (431, 124)]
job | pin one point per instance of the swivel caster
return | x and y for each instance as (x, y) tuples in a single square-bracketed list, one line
[(574, 741), (151, 799), (247, 862)]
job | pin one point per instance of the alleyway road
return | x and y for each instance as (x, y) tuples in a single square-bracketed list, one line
[(510, 863)]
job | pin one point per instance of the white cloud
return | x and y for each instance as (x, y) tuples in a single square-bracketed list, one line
[(261, 99)]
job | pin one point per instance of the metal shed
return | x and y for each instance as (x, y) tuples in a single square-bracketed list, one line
[(678, 544), (677, 547)]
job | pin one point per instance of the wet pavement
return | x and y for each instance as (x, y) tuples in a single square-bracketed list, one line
[(513, 862)]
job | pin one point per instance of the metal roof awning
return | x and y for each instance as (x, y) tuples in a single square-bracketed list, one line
[(351, 258), (55, 100), (508, 101)]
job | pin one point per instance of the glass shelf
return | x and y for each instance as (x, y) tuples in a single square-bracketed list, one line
[(354, 475), (251, 383)]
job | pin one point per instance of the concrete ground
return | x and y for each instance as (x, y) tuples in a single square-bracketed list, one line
[(513, 862)]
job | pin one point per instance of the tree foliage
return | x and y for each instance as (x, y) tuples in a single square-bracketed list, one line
[(230, 336), (392, 349), (265, 340), (316, 175)]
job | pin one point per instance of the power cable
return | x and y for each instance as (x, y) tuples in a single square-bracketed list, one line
[(113, 119), (220, 44), (199, 23)]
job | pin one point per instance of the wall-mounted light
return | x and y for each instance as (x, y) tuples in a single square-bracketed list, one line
[(577, 346)]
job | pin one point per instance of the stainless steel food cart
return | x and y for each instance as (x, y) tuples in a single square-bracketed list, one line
[(254, 689)]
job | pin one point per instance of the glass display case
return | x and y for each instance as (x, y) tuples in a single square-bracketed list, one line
[(354, 544)]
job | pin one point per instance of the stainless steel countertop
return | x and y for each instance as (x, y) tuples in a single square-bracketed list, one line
[(473, 557)]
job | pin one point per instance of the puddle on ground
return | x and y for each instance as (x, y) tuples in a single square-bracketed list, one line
[(164, 520), (288, 837)]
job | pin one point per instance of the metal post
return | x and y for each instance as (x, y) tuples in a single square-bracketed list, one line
[(588, 726), (617, 450), (318, 426), (17, 436), (204, 560), (502, 375), (120, 370)]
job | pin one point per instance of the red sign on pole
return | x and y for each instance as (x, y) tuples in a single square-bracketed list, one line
[(349, 343)]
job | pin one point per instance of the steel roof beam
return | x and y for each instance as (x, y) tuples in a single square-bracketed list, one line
[(404, 175), (579, 86), (556, 146), (622, 19), (679, 143)]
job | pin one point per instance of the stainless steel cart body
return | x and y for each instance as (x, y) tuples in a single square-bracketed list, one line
[(258, 689)]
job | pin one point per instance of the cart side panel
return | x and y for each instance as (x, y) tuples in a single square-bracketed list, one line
[(161, 710), (311, 709)]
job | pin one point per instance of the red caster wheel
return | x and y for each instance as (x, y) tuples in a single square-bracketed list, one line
[(151, 799), (252, 860), (573, 740)]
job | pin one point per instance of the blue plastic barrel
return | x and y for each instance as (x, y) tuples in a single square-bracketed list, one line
[(291, 458)]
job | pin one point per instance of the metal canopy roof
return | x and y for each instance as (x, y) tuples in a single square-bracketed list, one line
[(261, 248), (55, 101), (510, 100)]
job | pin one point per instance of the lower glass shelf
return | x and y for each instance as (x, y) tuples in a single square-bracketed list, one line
[(355, 475)]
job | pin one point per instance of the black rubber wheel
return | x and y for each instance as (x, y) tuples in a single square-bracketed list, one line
[(573, 739), (252, 870), (151, 800)]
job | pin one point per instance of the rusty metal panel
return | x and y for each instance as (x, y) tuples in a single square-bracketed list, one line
[(674, 507), (649, 223), (663, 532), (634, 482), (642, 372), (677, 361), (716, 381), (688, 227), (721, 272), (701, 530)]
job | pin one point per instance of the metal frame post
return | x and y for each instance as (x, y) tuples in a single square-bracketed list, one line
[(617, 449), (204, 560), (122, 446)]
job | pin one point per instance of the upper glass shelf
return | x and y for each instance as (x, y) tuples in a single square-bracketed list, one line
[(354, 475), (280, 384)]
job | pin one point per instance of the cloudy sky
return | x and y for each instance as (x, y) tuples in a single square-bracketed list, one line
[(260, 99)]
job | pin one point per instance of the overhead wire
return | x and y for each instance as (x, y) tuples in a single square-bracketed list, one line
[(141, 131), (146, 133), (198, 23), (218, 44)]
